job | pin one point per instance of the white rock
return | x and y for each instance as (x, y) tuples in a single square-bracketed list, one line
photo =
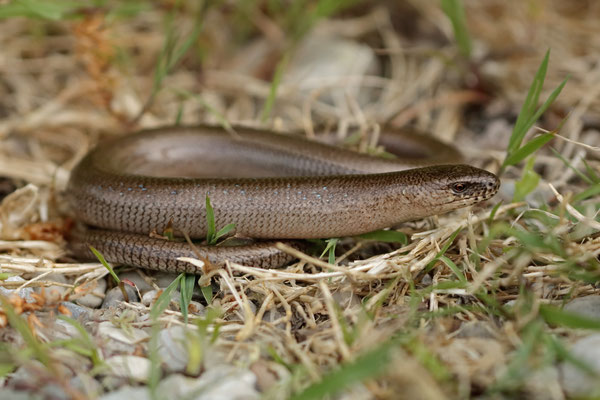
[(130, 336), (334, 67), (94, 298), (24, 293), (134, 277), (577, 382), (223, 382), (129, 393), (131, 367), (588, 306)]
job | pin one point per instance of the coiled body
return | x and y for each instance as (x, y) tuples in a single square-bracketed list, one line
[(271, 186)]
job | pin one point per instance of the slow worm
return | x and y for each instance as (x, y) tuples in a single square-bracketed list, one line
[(271, 186)]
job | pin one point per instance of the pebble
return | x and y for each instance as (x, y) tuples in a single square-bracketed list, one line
[(130, 336), (346, 298), (543, 384), (478, 329), (223, 382), (326, 59), (94, 298), (77, 311), (273, 315), (577, 382), (588, 306), (128, 392), (24, 293), (164, 279), (130, 367), (138, 280), (54, 292), (115, 296), (172, 349)]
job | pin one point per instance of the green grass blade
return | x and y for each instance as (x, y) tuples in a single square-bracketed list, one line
[(106, 265), (270, 102), (571, 167), (39, 349), (591, 173), (210, 223), (40, 9), (224, 231), (555, 316), (164, 299), (369, 365), (529, 148), (390, 236), (207, 293), (330, 249), (459, 274), (547, 103), (528, 182), (456, 13), (186, 285), (587, 193), (529, 105)]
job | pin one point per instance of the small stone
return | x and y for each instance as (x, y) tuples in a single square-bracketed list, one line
[(164, 279), (24, 293), (128, 392), (77, 311), (54, 292), (130, 367), (273, 315), (138, 280), (222, 382), (115, 295), (346, 298), (149, 297), (96, 290), (543, 384), (172, 348), (130, 336), (476, 329), (577, 382), (588, 306)]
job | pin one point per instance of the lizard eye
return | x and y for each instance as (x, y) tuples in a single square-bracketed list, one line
[(459, 187)]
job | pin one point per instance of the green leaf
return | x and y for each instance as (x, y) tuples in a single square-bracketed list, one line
[(389, 236), (187, 290), (528, 182), (555, 316), (529, 148), (106, 265), (456, 13)]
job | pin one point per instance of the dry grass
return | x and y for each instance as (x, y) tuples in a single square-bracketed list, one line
[(66, 84)]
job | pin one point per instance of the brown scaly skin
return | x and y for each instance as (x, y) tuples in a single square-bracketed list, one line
[(131, 185)]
